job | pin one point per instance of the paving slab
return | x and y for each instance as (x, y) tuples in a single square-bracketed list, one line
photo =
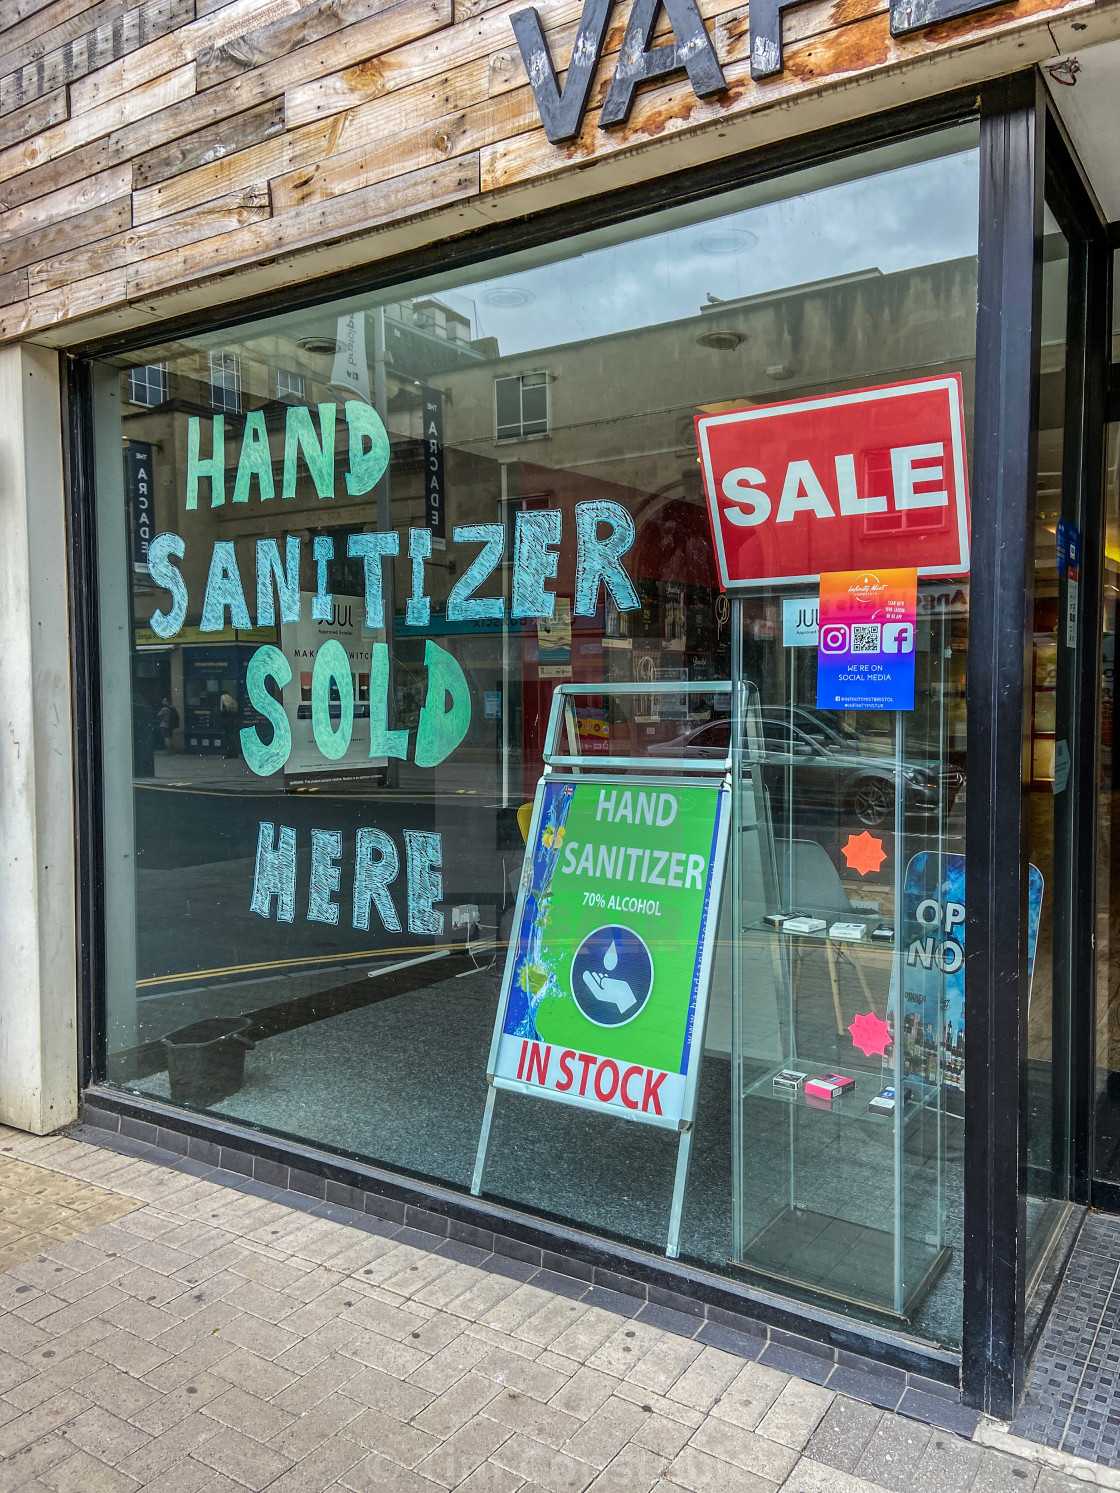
[(183, 1334)]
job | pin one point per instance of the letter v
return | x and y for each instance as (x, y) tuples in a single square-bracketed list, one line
[(562, 112)]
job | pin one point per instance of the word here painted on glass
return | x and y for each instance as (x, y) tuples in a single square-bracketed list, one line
[(377, 866)]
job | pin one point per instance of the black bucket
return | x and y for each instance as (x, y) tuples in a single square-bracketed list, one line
[(206, 1060)]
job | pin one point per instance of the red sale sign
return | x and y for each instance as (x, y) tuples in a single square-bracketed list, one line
[(872, 478)]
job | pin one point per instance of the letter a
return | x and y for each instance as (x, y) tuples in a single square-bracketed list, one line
[(562, 112), (691, 51)]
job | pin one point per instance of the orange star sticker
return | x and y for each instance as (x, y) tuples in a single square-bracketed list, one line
[(864, 853), (870, 1034)]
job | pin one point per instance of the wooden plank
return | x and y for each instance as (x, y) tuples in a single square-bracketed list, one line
[(385, 118), (95, 50), (352, 87), (401, 24), (79, 299), (47, 178), (13, 287), (356, 213), (105, 187), (209, 222), (349, 87), (453, 135), (38, 15), (87, 228), (212, 144), (78, 131), (54, 27), (357, 84), (465, 10), (318, 223), (312, 22), (34, 117), (161, 125), (181, 46), (206, 183)]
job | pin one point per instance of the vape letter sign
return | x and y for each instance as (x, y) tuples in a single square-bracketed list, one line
[(872, 479)]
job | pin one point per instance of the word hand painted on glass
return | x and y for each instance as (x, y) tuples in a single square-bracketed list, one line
[(873, 478)]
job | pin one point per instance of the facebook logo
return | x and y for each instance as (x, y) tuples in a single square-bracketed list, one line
[(898, 637)]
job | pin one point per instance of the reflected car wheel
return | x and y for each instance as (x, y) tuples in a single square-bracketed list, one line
[(872, 802)]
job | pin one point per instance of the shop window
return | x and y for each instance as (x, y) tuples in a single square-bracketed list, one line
[(148, 385), (225, 383), (520, 406), (323, 863)]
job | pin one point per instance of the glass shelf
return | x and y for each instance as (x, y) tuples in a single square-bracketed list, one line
[(852, 1105), (849, 1262), (833, 1199), (867, 921)]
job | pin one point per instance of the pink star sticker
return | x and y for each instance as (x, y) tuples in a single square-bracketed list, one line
[(864, 853), (870, 1034)]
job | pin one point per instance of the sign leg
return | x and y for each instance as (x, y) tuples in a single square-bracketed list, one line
[(684, 1153), (483, 1140)]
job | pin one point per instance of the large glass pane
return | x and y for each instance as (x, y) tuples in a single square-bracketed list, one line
[(327, 682), (1050, 693), (1106, 1154)]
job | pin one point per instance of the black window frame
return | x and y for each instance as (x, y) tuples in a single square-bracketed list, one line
[(1012, 113), (1026, 163)]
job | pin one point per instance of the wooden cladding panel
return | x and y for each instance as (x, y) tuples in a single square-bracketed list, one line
[(212, 143), (146, 148), (54, 27), (402, 23), (88, 228), (35, 117), (93, 51)]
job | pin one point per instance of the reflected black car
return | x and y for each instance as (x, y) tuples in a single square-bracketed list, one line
[(832, 774)]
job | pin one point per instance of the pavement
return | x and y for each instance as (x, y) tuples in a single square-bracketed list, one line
[(163, 1330), (1072, 1399)]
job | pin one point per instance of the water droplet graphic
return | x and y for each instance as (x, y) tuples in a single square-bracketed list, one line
[(610, 958)]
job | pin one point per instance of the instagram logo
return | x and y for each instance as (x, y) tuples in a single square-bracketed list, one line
[(834, 638)]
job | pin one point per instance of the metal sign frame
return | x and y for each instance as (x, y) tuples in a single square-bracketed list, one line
[(714, 773)]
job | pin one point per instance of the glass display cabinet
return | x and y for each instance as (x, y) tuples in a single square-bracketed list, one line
[(850, 908)]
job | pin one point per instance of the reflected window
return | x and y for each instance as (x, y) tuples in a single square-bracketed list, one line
[(521, 406), (289, 386), (225, 383), (148, 385)]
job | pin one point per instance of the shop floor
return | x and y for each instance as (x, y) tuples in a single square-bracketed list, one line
[(399, 1081)]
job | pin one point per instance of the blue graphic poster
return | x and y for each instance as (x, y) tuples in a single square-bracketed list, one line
[(933, 965)]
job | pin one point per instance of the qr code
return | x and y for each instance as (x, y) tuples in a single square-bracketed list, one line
[(867, 637)]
